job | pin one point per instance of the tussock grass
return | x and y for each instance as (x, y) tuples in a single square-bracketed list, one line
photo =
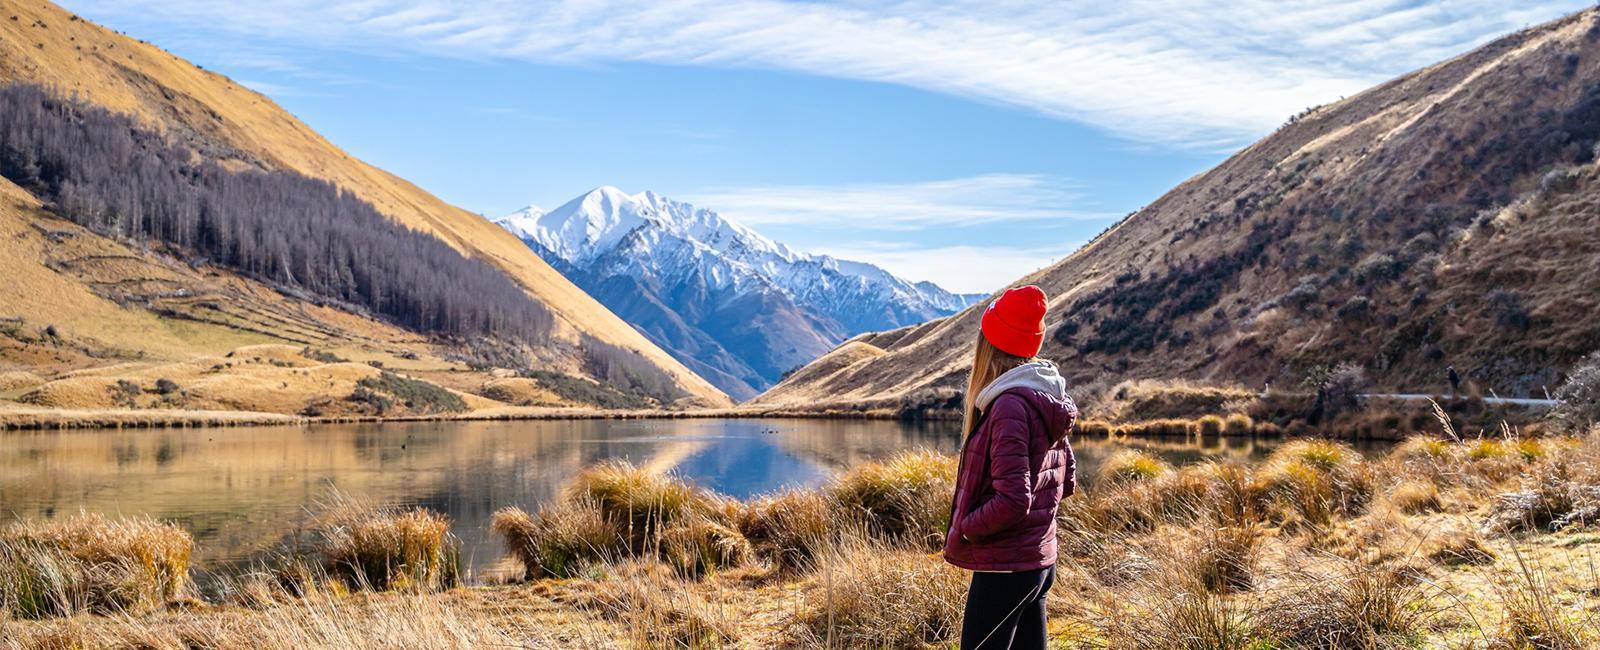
[(369, 547), (639, 503), (559, 539), (906, 497), (657, 608), (91, 563), (699, 544), (1353, 606), (1180, 617), (1204, 555), (1131, 465), (1238, 424), (1415, 497), (316, 621), (616, 511), (1223, 558), (1532, 616), (872, 596), (789, 528), (1313, 481)]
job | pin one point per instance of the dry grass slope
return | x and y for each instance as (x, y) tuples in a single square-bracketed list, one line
[(1446, 216), (47, 45)]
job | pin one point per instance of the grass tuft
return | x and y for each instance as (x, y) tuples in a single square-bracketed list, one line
[(906, 497), (1131, 465), (873, 596), (91, 563), (559, 539), (1352, 607), (788, 529), (1314, 481), (367, 547), (639, 503)]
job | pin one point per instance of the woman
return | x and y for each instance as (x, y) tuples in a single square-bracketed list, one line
[(1015, 467)]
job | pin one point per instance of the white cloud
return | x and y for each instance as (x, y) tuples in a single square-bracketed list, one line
[(1204, 73), (969, 201), (962, 269)]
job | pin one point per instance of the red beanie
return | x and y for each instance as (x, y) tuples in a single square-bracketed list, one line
[(1014, 322)]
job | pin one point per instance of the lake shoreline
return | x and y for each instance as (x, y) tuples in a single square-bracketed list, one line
[(41, 419), (38, 420)]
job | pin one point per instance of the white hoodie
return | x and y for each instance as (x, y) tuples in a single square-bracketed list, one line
[(1039, 375)]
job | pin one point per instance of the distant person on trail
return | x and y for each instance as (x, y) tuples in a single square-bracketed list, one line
[(1015, 467), (1455, 381)]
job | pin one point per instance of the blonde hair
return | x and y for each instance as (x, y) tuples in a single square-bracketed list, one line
[(988, 363)]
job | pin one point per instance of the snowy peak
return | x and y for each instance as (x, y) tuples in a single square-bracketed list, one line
[(598, 222), (694, 263), (522, 223), (591, 223)]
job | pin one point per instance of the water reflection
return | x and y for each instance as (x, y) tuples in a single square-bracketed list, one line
[(241, 491)]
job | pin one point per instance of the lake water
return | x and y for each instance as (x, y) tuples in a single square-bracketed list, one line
[(241, 491)]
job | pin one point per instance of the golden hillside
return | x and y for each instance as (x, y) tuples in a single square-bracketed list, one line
[(41, 43), (1446, 217)]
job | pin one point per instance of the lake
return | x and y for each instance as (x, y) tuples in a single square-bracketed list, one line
[(242, 491)]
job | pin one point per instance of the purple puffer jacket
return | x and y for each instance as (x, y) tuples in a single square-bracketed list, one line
[(1014, 470)]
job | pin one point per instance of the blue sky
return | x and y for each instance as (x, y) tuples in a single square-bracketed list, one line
[(962, 142)]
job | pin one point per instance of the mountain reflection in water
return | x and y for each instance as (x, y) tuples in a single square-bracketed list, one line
[(241, 491)]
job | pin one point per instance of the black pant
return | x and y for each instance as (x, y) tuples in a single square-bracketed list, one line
[(1006, 610)]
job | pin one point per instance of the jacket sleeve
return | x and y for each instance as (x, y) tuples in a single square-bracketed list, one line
[(1071, 482), (1010, 476)]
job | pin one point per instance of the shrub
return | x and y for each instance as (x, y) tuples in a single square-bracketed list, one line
[(166, 386), (906, 497), (126, 393), (320, 356), (558, 540), (416, 394), (583, 391), (1578, 399), (91, 563), (1238, 424), (1556, 494)]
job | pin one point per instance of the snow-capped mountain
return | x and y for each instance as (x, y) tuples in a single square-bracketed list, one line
[(735, 305)]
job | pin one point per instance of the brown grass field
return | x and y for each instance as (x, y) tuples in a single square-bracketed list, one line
[(1440, 542)]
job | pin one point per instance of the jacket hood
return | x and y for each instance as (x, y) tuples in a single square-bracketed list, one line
[(1043, 386)]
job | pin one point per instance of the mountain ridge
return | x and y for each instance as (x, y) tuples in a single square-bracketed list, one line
[(1443, 217), (44, 44), (692, 279)]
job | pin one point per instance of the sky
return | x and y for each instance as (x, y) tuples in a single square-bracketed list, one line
[(965, 142)]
